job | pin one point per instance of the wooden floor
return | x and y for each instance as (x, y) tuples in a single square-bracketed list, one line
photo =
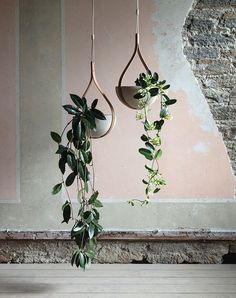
[(118, 281)]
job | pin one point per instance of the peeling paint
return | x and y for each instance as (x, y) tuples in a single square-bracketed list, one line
[(201, 147), (172, 62)]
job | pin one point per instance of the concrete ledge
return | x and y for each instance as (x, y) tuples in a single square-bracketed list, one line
[(161, 235)]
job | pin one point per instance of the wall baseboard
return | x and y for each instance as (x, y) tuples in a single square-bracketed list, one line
[(157, 235)]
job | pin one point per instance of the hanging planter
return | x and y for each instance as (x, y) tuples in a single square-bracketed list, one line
[(106, 125), (102, 127), (129, 95), (126, 94)]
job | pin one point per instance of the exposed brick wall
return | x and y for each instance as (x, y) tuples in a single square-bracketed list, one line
[(209, 36)]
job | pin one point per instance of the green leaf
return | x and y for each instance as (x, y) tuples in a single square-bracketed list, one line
[(79, 195), (61, 149), (70, 179), (77, 261), (89, 122), (56, 188), (96, 214), (83, 156), (149, 169), (147, 153), (77, 229), (98, 204), (81, 260), (158, 124), (94, 104), (139, 96), (154, 91), (156, 190), (158, 154), (86, 187), (69, 135), (56, 137), (163, 112), (86, 145), (150, 146), (62, 163), (91, 231), (93, 197), (165, 96), (98, 114), (89, 253), (144, 138), (155, 76), (166, 87), (89, 155), (143, 83), (77, 128), (73, 258), (71, 110), (71, 161), (170, 102), (88, 216), (156, 141), (66, 212), (76, 100), (83, 172), (85, 106), (144, 181)]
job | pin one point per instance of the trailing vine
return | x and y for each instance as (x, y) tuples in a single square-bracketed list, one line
[(76, 163), (150, 86)]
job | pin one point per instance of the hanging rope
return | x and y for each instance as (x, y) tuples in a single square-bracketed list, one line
[(137, 16), (93, 33), (135, 52), (93, 74)]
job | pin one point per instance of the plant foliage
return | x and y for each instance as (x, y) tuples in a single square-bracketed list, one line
[(76, 162), (149, 86)]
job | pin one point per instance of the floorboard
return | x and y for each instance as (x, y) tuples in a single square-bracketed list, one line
[(118, 281)]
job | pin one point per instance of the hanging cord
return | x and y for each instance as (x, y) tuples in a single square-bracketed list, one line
[(137, 17), (93, 33)]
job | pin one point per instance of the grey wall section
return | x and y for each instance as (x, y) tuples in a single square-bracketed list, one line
[(40, 98)]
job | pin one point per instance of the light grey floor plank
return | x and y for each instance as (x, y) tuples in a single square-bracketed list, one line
[(100, 267), (121, 281), (114, 288), (112, 295), (117, 273)]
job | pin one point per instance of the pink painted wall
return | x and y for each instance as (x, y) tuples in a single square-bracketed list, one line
[(195, 163), (8, 101)]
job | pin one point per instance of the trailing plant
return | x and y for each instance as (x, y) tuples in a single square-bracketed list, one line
[(76, 163), (150, 86)]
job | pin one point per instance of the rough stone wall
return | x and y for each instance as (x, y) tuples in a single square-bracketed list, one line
[(209, 36), (168, 252)]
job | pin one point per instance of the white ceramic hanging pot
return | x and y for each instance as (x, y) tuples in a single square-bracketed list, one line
[(102, 127), (126, 96)]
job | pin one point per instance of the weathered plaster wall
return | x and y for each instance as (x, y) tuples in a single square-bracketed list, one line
[(209, 36), (198, 196)]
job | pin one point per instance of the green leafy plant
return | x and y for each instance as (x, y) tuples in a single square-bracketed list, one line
[(76, 163), (149, 86)]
